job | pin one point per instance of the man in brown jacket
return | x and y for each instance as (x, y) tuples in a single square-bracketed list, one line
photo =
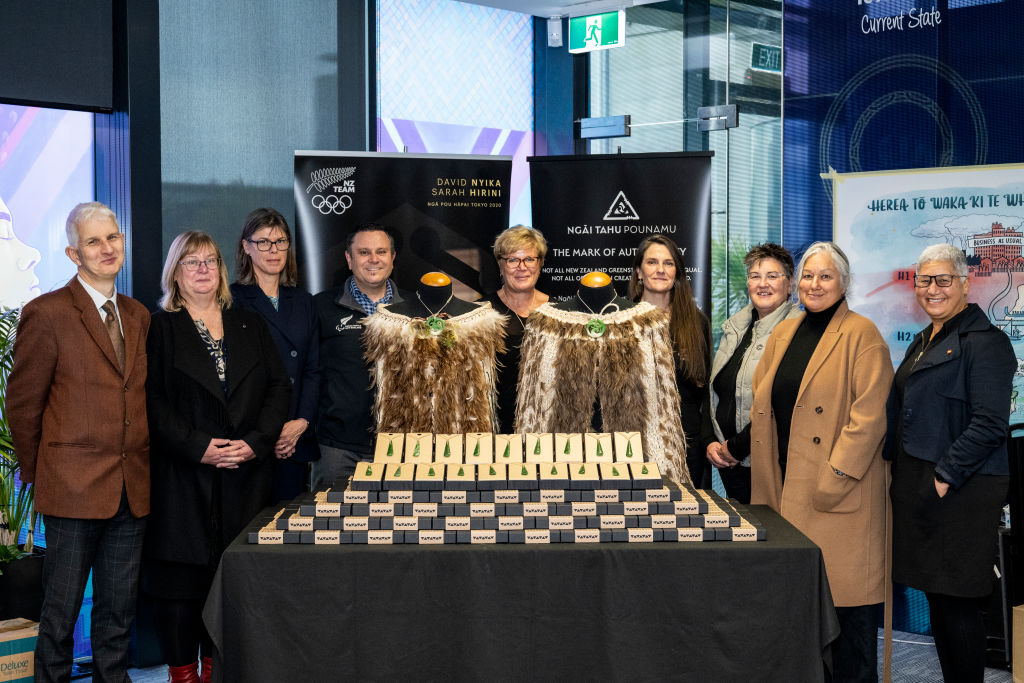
[(77, 409)]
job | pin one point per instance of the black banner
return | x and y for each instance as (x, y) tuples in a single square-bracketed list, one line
[(445, 212), (594, 210)]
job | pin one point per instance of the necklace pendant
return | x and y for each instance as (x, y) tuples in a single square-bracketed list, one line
[(595, 328), (435, 325)]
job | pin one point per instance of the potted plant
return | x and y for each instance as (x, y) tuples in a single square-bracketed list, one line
[(21, 583)]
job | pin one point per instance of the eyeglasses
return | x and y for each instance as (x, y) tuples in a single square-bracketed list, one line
[(942, 280), (192, 264), (770, 277), (513, 262), (265, 244)]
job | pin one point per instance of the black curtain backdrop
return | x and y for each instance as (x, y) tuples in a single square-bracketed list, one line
[(594, 210), (444, 211)]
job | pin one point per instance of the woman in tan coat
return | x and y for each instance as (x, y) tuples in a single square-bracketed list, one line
[(817, 426)]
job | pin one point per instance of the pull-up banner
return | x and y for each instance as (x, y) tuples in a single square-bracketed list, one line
[(595, 210), (444, 210)]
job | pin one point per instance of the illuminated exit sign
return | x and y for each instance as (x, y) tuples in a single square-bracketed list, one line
[(597, 31), (766, 58)]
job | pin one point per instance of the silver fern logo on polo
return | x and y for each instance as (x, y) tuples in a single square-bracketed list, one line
[(621, 209), (343, 324), (334, 187)]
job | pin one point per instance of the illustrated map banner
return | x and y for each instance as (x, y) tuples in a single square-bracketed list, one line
[(594, 210), (445, 211), (978, 209)]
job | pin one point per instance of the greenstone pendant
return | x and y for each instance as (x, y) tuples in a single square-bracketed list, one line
[(508, 444), (435, 325), (447, 449), (595, 328)]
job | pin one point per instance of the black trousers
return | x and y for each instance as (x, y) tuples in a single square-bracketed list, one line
[(112, 549), (959, 630), (737, 482), (855, 652)]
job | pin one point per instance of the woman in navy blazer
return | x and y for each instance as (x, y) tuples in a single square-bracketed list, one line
[(948, 414), (266, 270)]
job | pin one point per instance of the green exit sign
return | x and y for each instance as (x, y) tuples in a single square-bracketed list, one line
[(766, 58), (597, 31)]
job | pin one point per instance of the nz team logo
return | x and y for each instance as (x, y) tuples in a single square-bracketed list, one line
[(621, 209), (335, 188)]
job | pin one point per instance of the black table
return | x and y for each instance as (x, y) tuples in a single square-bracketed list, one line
[(662, 611)]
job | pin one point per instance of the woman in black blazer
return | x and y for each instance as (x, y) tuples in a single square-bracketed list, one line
[(267, 274), (217, 395)]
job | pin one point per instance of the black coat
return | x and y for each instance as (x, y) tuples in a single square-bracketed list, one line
[(294, 328), (198, 509)]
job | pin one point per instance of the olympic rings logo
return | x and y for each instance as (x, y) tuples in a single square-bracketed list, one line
[(331, 203)]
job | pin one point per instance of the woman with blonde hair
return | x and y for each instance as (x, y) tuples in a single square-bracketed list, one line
[(217, 396), (520, 252)]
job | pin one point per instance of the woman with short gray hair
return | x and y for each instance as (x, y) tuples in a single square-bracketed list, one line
[(948, 414)]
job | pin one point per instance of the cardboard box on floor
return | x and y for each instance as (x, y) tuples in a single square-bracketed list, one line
[(17, 649)]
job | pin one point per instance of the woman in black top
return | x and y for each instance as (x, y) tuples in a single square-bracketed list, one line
[(948, 414), (520, 252), (659, 279)]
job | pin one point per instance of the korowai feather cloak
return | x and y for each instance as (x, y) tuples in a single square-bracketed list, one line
[(629, 369), (428, 383)]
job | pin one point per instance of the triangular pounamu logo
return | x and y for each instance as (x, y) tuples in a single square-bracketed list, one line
[(621, 209)]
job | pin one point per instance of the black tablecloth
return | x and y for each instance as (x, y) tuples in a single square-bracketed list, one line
[(716, 611)]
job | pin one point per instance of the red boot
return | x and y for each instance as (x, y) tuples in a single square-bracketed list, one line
[(183, 674), (206, 670)]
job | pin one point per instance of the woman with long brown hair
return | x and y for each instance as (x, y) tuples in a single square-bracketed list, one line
[(659, 279)]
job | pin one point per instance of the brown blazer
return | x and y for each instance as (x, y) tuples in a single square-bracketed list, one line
[(79, 426), (839, 419)]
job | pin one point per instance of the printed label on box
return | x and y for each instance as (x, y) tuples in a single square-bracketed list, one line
[(507, 496), (482, 536), (328, 509), (453, 496), (356, 524), (481, 509), (606, 495), (537, 536), (300, 523), (326, 536), (432, 537), (457, 523), (588, 535), (424, 509), (405, 523), (505, 523), (270, 537), (552, 496), (641, 535), (380, 537)]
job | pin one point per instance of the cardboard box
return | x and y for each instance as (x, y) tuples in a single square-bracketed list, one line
[(614, 476), (479, 448), (398, 475), (492, 476), (448, 448), (368, 476), (17, 648), (646, 475), (460, 477), (523, 476), (389, 447), (429, 477), (554, 475)]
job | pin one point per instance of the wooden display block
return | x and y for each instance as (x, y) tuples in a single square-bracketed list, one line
[(615, 475), (598, 447), (523, 475), (586, 536), (398, 475), (553, 475), (748, 532), (646, 475), (448, 448), (508, 448), (429, 476), (326, 537), (389, 447), (629, 447), (584, 475), (539, 447), (568, 448), (479, 448), (460, 477), (419, 447), (492, 476), (483, 536), (368, 476), (536, 536)]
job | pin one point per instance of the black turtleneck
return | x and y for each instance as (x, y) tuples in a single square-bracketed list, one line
[(786, 385)]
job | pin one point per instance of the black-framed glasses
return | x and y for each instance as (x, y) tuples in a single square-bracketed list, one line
[(192, 264), (282, 244), (514, 262), (942, 280)]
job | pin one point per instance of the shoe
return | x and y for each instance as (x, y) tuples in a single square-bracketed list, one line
[(206, 670), (183, 674)]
